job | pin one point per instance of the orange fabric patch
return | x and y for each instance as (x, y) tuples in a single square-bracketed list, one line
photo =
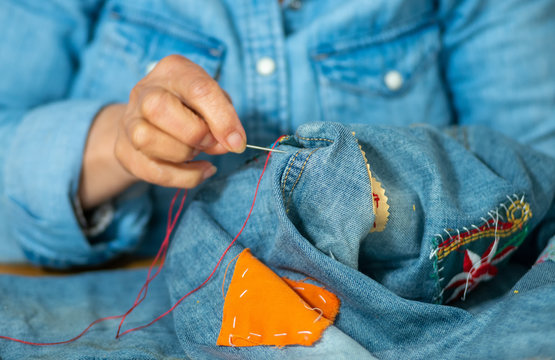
[(263, 309), (316, 297)]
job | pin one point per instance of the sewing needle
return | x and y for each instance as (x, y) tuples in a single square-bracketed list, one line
[(264, 149)]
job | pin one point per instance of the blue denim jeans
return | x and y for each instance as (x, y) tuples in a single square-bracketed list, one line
[(320, 213)]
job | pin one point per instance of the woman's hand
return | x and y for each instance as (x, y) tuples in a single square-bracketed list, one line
[(173, 114)]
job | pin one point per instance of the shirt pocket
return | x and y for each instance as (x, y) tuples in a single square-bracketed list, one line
[(128, 44), (391, 78)]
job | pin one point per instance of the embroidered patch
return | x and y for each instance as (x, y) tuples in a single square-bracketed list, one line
[(470, 255), (548, 253), (263, 309), (381, 207)]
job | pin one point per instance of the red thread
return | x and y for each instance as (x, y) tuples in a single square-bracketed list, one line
[(221, 258), (62, 342), (162, 252)]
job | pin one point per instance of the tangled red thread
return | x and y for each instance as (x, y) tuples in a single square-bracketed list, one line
[(161, 255)]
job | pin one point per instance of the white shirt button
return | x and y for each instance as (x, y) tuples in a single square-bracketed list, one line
[(265, 66), (151, 65), (393, 80)]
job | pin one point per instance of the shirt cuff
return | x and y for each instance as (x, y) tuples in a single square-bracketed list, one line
[(42, 177), (93, 222)]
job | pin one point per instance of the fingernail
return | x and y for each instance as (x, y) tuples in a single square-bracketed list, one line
[(208, 141), (210, 172), (235, 142)]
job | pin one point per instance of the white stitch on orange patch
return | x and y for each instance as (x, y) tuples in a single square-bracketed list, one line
[(320, 312), (292, 321)]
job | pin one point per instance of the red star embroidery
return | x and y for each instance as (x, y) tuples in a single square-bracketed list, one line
[(477, 269)]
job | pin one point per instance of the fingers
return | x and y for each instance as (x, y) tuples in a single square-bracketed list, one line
[(165, 111), (173, 113), (198, 91), (217, 149), (157, 144), (204, 96), (155, 171)]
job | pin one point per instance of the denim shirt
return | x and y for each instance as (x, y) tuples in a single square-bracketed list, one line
[(393, 62)]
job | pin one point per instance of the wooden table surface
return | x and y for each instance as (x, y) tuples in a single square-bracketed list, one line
[(30, 270)]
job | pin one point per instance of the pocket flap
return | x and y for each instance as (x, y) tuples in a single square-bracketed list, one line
[(152, 37), (386, 64)]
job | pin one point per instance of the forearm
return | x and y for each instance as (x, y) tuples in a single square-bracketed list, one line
[(41, 177)]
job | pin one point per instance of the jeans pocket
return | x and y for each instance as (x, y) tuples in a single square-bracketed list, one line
[(389, 78), (128, 44)]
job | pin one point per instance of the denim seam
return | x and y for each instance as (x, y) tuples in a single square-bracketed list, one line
[(297, 180), (484, 231), (366, 163), (315, 139), (291, 162)]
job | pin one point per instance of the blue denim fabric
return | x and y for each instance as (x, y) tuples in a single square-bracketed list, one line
[(460, 62), (313, 218), (58, 308)]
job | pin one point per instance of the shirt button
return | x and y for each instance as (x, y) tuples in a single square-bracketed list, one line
[(393, 80), (265, 66)]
